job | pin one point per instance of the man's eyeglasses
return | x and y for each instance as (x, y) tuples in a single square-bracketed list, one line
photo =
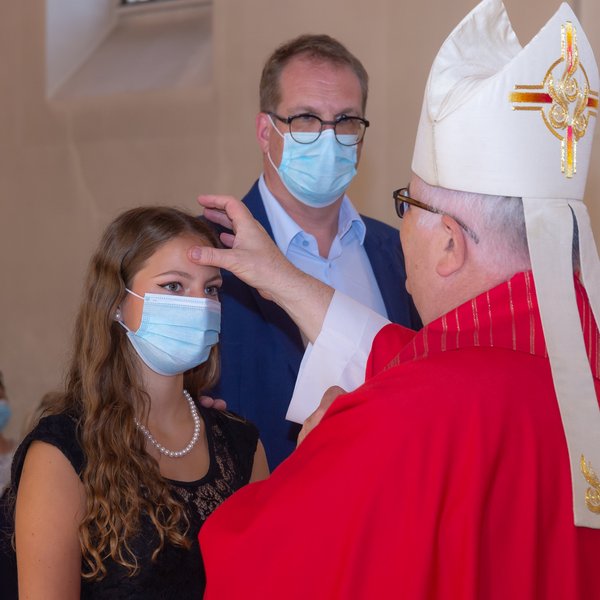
[(306, 128), (402, 200)]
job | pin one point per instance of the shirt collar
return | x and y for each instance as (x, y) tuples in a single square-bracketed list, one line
[(350, 219), (285, 229)]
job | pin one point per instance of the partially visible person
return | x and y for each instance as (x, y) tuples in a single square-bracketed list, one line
[(7, 446), (114, 482), (310, 129), (466, 465)]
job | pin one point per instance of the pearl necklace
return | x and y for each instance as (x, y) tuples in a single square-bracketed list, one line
[(192, 442)]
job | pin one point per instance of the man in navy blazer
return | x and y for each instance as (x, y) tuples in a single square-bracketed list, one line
[(313, 95)]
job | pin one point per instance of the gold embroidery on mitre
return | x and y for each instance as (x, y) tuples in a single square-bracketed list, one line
[(592, 494), (565, 101)]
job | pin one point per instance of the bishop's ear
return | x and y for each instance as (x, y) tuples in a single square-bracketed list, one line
[(453, 248)]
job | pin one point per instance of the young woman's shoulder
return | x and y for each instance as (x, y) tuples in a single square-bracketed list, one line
[(59, 430), (235, 424), (239, 435)]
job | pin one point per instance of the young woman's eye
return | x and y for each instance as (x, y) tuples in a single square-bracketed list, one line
[(212, 290), (172, 286)]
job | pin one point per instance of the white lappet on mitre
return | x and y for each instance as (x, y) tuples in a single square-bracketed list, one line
[(504, 120)]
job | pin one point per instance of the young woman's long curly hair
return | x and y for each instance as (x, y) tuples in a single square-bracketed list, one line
[(104, 391)]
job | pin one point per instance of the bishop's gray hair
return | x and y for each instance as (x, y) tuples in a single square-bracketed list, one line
[(498, 221)]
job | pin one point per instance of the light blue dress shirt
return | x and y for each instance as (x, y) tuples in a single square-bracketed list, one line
[(347, 268)]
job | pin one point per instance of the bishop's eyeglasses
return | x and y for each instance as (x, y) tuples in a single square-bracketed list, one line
[(402, 200)]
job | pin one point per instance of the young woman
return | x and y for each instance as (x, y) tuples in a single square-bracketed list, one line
[(112, 487)]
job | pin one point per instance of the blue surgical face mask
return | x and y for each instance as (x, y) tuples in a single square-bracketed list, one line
[(318, 173), (5, 413), (176, 332)]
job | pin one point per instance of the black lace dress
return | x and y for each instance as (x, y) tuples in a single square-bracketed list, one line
[(176, 573)]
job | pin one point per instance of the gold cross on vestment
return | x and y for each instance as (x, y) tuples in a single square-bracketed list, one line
[(565, 102)]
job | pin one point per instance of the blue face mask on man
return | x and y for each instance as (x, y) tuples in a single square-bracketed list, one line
[(316, 173), (176, 332)]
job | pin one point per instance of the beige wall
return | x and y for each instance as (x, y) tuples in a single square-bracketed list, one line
[(67, 167)]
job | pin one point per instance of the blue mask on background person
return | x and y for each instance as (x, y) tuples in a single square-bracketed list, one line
[(176, 332), (318, 173), (5, 413)]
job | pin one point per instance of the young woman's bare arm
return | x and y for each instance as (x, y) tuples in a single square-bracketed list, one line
[(50, 503)]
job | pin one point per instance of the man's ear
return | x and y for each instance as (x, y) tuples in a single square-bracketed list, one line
[(263, 131), (454, 252)]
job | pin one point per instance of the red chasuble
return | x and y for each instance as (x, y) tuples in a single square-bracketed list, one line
[(446, 475)]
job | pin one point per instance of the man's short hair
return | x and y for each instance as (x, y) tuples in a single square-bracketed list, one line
[(314, 47)]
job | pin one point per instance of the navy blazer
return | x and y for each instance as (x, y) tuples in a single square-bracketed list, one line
[(261, 347)]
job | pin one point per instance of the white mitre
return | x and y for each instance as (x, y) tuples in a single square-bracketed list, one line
[(504, 120)]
